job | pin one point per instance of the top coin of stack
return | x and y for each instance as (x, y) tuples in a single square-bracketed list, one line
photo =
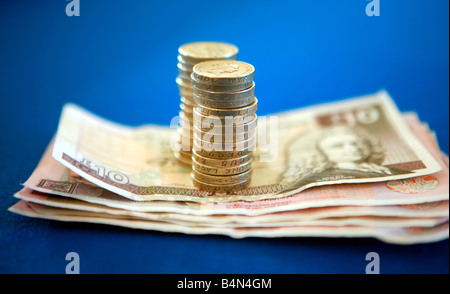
[(188, 56), (224, 125)]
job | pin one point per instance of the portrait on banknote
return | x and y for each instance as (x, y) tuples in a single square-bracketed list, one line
[(344, 146), (334, 153)]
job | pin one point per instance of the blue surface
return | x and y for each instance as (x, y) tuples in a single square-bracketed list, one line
[(118, 59)]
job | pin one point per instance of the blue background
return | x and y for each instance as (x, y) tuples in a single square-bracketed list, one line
[(118, 59)]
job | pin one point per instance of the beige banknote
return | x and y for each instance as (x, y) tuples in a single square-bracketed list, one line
[(52, 177), (395, 235), (423, 214), (354, 141)]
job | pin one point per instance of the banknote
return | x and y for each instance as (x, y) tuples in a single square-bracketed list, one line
[(445, 159), (395, 235), (51, 177), (422, 214), (358, 140)]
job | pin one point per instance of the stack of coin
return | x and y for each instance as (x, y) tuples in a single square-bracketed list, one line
[(224, 125), (189, 55)]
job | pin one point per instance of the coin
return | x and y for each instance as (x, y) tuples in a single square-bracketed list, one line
[(183, 157), (220, 180), (184, 80), (185, 142), (209, 137), (186, 63), (184, 84), (222, 154), (189, 55), (220, 188), (223, 72), (221, 139), (187, 108), (220, 88), (200, 51), (224, 124), (220, 112), (227, 104), (186, 92), (185, 116), (186, 132), (221, 171), (226, 128), (184, 69), (225, 96), (223, 145), (237, 134), (188, 100), (221, 162), (207, 120)]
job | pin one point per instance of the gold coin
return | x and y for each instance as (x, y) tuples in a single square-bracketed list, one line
[(188, 100), (186, 122), (185, 132), (186, 126), (221, 154), (187, 94), (184, 79), (185, 116), (185, 63), (224, 154), (220, 112), (225, 96), (208, 137), (224, 145), (220, 180), (201, 51), (226, 128), (221, 88), (227, 104), (223, 72), (183, 84), (185, 142), (220, 188), (181, 156), (187, 108), (219, 139), (221, 171), (186, 70), (232, 135), (221, 162), (207, 120), (185, 147)]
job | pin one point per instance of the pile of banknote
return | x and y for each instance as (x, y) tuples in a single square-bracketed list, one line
[(224, 137), (348, 169), (189, 55)]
